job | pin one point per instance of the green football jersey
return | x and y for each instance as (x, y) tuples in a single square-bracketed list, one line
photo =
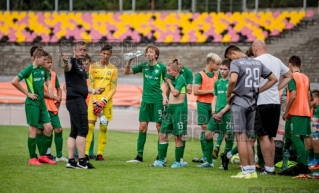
[(153, 77), (34, 78), (220, 90), (188, 75), (180, 84)]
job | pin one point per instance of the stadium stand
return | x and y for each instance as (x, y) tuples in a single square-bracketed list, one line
[(146, 27)]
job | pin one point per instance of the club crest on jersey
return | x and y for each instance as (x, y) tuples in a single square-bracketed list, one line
[(108, 73), (42, 72), (156, 71)]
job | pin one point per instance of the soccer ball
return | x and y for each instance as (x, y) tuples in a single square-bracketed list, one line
[(235, 159)]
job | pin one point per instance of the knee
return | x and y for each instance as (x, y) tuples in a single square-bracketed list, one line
[(209, 135), (58, 130), (158, 126), (143, 127), (38, 131), (32, 132), (103, 128)]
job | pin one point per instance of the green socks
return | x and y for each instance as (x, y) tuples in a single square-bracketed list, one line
[(184, 144), (203, 143), (32, 147), (46, 141), (229, 144), (58, 140), (219, 140), (301, 151), (91, 146), (178, 153), (209, 150), (140, 143), (38, 138), (162, 151), (234, 150)]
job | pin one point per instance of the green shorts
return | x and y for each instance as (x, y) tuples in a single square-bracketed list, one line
[(55, 121), (175, 120), (204, 113), (36, 115), (297, 125), (151, 112), (222, 126)]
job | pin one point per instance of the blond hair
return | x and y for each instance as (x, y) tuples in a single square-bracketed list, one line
[(212, 57), (174, 63)]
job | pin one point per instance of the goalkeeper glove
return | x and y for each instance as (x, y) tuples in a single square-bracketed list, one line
[(103, 120), (99, 106)]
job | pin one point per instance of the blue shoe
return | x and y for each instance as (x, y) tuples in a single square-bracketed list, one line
[(158, 163), (310, 159), (179, 164), (313, 162), (205, 165)]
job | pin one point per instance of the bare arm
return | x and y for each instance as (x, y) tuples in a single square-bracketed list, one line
[(127, 68), (16, 83), (198, 91), (231, 84), (214, 105), (284, 81), (272, 79), (289, 104), (165, 93), (189, 88), (67, 66)]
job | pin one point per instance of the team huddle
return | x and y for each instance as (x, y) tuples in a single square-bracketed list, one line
[(237, 99)]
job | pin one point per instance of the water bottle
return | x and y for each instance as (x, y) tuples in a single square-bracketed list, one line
[(285, 161), (103, 119), (283, 105), (131, 55), (314, 122)]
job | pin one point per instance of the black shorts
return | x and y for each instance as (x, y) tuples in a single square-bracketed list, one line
[(267, 120), (78, 116)]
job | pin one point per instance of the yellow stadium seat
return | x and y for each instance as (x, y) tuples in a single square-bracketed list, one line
[(226, 38)]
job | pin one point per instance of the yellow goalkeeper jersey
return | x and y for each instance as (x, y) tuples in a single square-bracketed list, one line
[(103, 77)]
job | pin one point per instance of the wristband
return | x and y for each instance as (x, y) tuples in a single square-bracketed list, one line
[(93, 92), (104, 100)]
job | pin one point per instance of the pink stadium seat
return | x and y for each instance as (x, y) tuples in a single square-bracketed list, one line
[(57, 27), (250, 38), (117, 17), (234, 38), (163, 15), (208, 20), (217, 38), (310, 14), (275, 33), (24, 20), (276, 14), (95, 35), (195, 15), (87, 17), (54, 39), (45, 37)]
